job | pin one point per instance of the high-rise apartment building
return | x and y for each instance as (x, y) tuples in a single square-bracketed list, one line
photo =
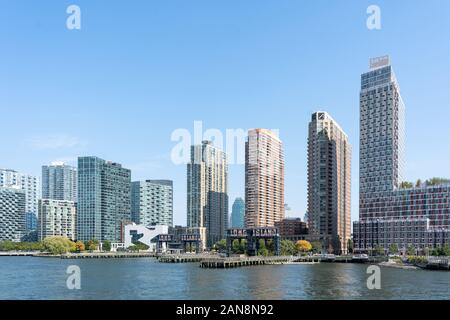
[(12, 213), (56, 218), (264, 179), (207, 191), (152, 202), (104, 199), (59, 182), (238, 213), (329, 184), (389, 215), (30, 184)]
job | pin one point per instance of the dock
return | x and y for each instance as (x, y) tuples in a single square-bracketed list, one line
[(183, 258), (18, 253), (437, 263), (107, 255), (225, 263)]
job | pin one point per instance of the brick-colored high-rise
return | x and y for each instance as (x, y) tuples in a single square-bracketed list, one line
[(264, 179)]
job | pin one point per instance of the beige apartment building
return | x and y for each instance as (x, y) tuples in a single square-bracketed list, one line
[(264, 179)]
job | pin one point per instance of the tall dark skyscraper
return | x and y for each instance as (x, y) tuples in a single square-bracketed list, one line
[(104, 199)]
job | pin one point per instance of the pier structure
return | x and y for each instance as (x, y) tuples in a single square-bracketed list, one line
[(162, 242), (231, 262), (253, 237)]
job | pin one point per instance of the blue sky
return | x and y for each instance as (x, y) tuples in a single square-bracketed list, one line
[(138, 70)]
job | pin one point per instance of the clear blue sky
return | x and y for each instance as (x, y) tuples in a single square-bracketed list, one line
[(137, 70)]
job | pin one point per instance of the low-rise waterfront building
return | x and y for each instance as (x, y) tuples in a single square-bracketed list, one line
[(135, 234)]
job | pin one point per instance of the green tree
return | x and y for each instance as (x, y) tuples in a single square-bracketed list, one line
[(418, 183), (106, 245), (316, 246), (287, 248), (393, 248), (445, 250), (243, 246), (262, 250), (379, 250), (92, 245), (58, 245), (411, 251), (406, 185), (350, 246), (437, 181), (271, 247), (236, 247), (221, 245), (20, 246), (138, 247)]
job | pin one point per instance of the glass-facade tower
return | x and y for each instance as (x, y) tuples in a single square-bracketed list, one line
[(104, 199)]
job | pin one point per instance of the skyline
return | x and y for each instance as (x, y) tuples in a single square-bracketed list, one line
[(283, 80)]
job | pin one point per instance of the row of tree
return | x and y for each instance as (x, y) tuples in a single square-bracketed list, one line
[(287, 247), (55, 245), (411, 251), (429, 182)]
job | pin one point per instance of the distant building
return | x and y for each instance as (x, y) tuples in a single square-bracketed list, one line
[(291, 227), (207, 191), (56, 218), (12, 213), (104, 199), (59, 182), (238, 213), (30, 184), (183, 238), (329, 183), (152, 202), (264, 179)]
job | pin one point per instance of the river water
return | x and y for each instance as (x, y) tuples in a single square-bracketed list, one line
[(145, 278)]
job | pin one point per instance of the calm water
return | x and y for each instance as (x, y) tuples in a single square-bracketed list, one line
[(45, 278)]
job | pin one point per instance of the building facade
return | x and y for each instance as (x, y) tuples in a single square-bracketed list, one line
[(329, 184), (152, 202), (207, 191), (388, 215), (59, 182), (12, 213), (238, 213), (264, 179), (135, 234), (57, 218), (291, 227), (104, 199), (30, 184)]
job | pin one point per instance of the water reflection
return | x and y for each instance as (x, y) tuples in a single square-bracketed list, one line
[(45, 278)]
